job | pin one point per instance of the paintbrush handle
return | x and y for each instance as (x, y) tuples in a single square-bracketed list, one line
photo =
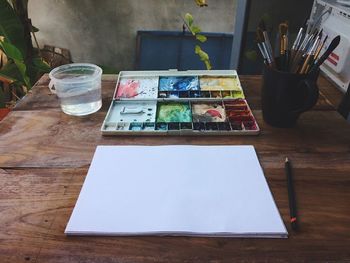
[(268, 44), (296, 61), (291, 58), (333, 45), (306, 63)]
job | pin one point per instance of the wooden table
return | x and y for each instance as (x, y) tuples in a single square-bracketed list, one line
[(45, 155)]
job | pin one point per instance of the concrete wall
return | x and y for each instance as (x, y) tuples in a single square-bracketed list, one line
[(294, 11), (104, 31)]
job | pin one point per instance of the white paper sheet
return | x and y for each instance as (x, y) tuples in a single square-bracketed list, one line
[(176, 190)]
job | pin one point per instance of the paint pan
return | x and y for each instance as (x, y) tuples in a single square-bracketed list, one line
[(174, 126), (173, 95), (184, 94), (162, 94), (249, 125), (186, 125), (161, 126), (215, 94), (226, 94), (224, 126), (136, 126), (123, 126), (195, 94), (199, 126), (149, 126), (211, 126), (236, 125), (205, 94)]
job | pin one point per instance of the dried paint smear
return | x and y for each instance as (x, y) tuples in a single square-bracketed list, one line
[(220, 83), (208, 112), (178, 83), (138, 88), (174, 112)]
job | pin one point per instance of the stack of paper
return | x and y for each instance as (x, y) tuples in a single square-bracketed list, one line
[(176, 190)]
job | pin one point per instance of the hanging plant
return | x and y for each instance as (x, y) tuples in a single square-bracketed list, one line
[(196, 32)]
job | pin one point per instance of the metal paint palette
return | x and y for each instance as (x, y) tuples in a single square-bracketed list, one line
[(179, 103)]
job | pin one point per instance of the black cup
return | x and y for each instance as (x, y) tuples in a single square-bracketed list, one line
[(286, 95)]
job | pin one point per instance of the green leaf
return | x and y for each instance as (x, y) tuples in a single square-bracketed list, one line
[(203, 56), (13, 53), (197, 49), (10, 50), (23, 70), (201, 38), (10, 71), (11, 27), (195, 30), (207, 65), (8, 78), (41, 65), (189, 19)]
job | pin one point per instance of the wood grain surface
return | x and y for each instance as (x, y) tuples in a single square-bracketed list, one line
[(45, 155)]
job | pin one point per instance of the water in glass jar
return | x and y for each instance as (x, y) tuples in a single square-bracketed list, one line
[(81, 100)]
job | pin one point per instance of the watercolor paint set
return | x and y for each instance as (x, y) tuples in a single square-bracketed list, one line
[(179, 103)]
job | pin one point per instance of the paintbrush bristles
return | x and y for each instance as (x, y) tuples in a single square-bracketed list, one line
[(260, 35), (283, 28), (262, 25)]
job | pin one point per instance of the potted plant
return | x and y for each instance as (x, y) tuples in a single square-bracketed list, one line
[(20, 63)]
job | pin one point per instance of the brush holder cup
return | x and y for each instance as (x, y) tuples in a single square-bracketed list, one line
[(287, 95)]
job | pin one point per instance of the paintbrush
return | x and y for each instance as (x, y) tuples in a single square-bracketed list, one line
[(297, 42), (309, 57), (333, 45), (314, 50), (283, 31), (262, 53), (302, 52), (262, 26), (318, 51), (263, 48)]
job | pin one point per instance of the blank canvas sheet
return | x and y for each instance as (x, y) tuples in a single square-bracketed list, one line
[(176, 190)]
